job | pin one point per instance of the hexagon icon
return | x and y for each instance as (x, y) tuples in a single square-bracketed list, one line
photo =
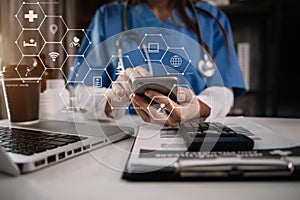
[(53, 28), (184, 97), (30, 42), (153, 47), (176, 61), (76, 69), (119, 65), (157, 110), (30, 15), (73, 41), (53, 55), (93, 81), (35, 67)]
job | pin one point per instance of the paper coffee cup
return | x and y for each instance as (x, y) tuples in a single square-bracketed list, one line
[(22, 94)]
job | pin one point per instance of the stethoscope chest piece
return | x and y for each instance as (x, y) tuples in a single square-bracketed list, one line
[(206, 67)]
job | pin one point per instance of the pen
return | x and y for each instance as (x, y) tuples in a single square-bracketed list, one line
[(236, 166)]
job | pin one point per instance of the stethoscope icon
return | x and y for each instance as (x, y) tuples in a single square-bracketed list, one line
[(206, 66)]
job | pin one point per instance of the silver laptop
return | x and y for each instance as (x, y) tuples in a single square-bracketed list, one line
[(27, 148)]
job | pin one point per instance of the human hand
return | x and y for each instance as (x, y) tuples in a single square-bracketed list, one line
[(164, 110), (119, 96), (133, 73)]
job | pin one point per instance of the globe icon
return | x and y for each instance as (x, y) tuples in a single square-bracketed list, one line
[(176, 61)]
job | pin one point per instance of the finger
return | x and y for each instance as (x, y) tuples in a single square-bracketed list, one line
[(127, 88), (173, 108), (137, 72), (132, 74), (187, 111), (122, 83), (141, 112), (151, 115), (122, 78), (118, 90), (172, 122), (140, 105), (177, 114), (143, 109), (128, 83), (185, 94), (161, 99), (158, 112), (162, 118), (128, 71), (141, 102), (143, 72)]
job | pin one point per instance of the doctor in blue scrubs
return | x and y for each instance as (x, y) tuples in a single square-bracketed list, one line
[(198, 20)]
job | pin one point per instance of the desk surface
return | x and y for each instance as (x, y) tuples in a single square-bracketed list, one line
[(88, 177)]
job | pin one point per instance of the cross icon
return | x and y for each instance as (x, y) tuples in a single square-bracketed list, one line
[(31, 16)]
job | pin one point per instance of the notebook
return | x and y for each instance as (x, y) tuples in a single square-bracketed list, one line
[(27, 148), (160, 154)]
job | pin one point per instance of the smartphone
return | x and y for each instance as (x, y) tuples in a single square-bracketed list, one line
[(166, 85)]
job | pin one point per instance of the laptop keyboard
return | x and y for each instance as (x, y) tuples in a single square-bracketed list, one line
[(28, 142)]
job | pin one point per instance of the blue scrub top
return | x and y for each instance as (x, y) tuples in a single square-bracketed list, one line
[(108, 21)]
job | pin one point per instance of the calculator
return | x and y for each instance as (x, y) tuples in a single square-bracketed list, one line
[(213, 136)]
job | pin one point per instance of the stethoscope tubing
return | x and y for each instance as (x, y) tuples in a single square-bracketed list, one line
[(205, 66)]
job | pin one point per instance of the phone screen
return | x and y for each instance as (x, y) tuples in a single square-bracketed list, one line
[(166, 85)]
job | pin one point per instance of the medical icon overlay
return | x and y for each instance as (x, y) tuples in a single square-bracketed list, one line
[(53, 28), (73, 39), (159, 111), (41, 36), (30, 15), (120, 64), (30, 42), (153, 47), (176, 61), (54, 55), (53, 31)]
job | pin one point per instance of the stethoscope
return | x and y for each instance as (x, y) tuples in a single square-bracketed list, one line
[(205, 65)]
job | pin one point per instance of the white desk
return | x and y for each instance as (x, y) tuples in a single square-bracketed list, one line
[(84, 177)]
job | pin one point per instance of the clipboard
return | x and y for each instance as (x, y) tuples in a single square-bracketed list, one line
[(149, 162), (273, 164)]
